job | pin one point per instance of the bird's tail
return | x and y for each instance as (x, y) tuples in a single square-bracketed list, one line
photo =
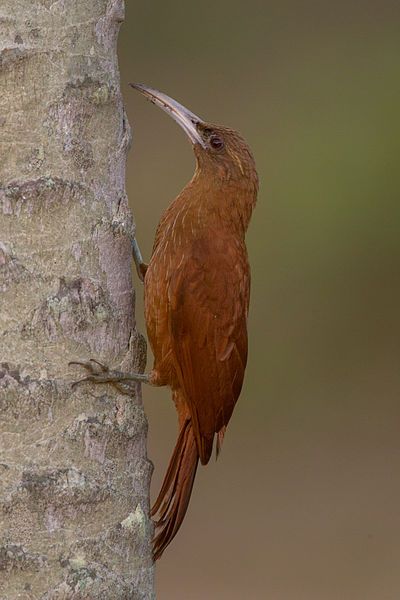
[(172, 502)]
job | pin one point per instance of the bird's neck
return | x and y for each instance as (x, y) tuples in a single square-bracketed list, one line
[(217, 200)]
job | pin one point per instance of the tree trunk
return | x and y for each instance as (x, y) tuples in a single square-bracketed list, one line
[(74, 476)]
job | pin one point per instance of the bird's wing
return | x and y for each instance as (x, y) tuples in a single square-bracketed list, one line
[(208, 305)]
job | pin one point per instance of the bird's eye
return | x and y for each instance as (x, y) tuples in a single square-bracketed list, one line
[(216, 142)]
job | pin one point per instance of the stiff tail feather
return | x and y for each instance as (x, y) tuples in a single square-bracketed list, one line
[(170, 507)]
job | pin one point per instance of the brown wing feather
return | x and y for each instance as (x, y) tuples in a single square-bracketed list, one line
[(208, 300)]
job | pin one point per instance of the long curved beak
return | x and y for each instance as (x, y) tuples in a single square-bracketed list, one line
[(184, 117)]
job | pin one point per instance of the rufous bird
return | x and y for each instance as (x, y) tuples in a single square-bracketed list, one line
[(196, 289)]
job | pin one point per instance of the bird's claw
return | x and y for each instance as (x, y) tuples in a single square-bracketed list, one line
[(89, 365), (95, 368), (100, 373), (97, 371)]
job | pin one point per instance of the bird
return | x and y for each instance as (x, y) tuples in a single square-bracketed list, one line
[(196, 298)]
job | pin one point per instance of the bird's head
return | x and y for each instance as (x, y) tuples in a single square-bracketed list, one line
[(219, 150)]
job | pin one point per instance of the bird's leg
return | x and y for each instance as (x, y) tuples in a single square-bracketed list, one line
[(99, 373), (141, 267)]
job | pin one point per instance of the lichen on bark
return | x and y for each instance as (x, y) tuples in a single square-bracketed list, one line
[(74, 474)]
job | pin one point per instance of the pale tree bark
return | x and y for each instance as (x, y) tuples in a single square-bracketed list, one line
[(74, 475)]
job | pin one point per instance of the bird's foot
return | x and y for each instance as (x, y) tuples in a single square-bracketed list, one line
[(100, 373)]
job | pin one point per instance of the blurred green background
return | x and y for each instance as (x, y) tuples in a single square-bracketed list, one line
[(304, 502)]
